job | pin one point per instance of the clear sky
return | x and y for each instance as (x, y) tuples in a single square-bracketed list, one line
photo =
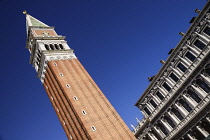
[(119, 42)]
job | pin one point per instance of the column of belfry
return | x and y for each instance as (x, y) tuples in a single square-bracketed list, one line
[(83, 110)]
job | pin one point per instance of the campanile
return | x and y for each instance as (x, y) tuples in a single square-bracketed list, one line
[(83, 110)]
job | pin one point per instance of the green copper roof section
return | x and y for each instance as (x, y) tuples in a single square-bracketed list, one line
[(31, 21), (36, 22)]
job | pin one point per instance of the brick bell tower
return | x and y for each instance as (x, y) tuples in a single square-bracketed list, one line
[(83, 110)]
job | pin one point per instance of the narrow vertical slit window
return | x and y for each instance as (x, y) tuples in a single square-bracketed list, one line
[(75, 98), (67, 85), (93, 128), (61, 74), (83, 112)]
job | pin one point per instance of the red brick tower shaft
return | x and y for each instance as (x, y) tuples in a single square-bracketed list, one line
[(83, 110)]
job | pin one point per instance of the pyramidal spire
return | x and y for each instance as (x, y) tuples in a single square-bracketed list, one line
[(31, 21)]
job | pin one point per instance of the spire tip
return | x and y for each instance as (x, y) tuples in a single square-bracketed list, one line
[(24, 12)]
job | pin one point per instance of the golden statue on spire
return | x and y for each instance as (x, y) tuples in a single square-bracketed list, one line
[(24, 12)]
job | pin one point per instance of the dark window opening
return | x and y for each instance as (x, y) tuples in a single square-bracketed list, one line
[(166, 86), (170, 122), (51, 47), (147, 137), (56, 47), (190, 56), (174, 77), (162, 128), (207, 71), (203, 85), (61, 46), (181, 67), (153, 103), (177, 113), (194, 96), (185, 105), (147, 110), (207, 30), (47, 47), (160, 96), (199, 44), (156, 135)]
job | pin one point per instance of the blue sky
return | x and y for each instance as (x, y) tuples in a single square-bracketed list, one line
[(119, 42)]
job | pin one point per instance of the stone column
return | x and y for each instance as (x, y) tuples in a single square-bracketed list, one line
[(162, 135), (196, 52), (208, 119), (182, 110), (163, 91), (151, 137), (206, 79), (198, 91), (151, 108), (170, 82), (156, 99), (191, 137), (167, 126), (176, 71), (191, 102), (173, 117), (202, 131), (184, 61)]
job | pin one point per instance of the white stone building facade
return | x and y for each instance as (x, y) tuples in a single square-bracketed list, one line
[(176, 104)]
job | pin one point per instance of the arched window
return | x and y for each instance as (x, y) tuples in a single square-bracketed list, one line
[(61, 46), (57, 47), (194, 95), (51, 47), (185, 105), (203, 85), (47, 47)]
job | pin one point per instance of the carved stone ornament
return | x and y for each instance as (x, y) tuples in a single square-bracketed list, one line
[(165, 74), (188, 42), (208, 16), (193, 35), (198, 29)]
